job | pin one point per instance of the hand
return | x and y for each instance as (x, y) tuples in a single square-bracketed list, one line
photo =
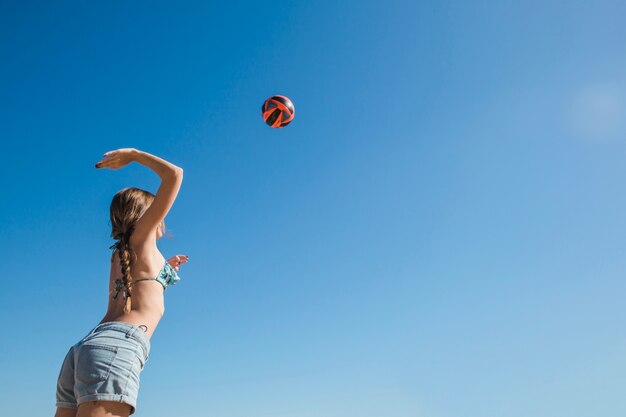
[(117, 159), (176, 261)]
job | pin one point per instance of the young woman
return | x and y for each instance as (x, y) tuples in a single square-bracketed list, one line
[(100, 374)]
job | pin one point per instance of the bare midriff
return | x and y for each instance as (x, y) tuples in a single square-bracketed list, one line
[(147, 301)]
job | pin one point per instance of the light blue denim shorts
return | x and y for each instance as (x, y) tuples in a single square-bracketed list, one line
[(104, 366)]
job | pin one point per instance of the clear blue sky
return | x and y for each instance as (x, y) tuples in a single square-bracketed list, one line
[(440, 232)]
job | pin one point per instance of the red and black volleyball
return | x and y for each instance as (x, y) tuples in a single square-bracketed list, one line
[(278, 111)]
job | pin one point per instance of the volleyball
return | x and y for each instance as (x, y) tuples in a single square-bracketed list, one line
[(278, 111)]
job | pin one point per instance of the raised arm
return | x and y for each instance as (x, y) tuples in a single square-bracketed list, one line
[(171, 180)]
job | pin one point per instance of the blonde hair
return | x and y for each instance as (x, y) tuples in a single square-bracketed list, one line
[(127, 207)]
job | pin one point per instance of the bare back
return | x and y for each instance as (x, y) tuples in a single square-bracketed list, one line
[(148, 303)]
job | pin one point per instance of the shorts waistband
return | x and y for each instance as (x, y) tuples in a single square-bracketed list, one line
[(129, 330)]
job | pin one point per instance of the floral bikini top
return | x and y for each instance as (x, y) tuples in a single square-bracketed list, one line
[(167, 277)]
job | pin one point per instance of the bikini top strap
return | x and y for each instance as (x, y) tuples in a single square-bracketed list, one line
[(170, 278), (149, 279)]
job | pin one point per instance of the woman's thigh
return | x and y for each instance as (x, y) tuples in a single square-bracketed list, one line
[(103, 409), (65, 412)]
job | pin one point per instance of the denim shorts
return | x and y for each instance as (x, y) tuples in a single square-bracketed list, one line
[(104, 366)]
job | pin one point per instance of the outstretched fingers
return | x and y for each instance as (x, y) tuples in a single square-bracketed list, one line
[(178, 260), (108, 160)]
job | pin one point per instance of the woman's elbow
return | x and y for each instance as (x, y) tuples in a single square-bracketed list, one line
[(176, 173)]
